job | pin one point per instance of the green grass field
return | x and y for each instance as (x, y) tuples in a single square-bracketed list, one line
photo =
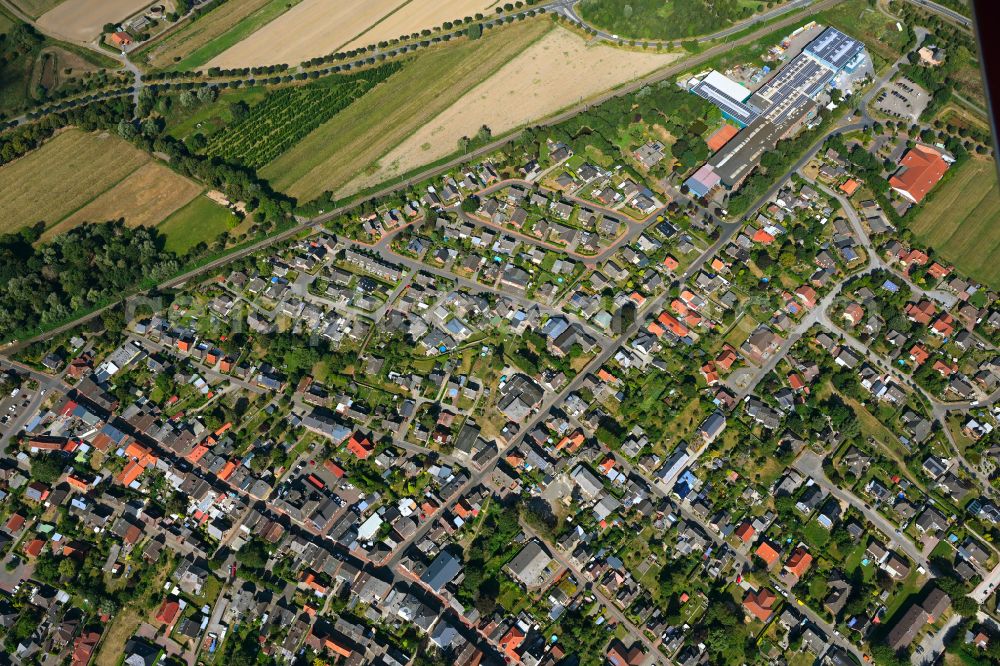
[(357, 137), (666, 19), (209, 118), (860, 19), (202, 220), (960, 220)]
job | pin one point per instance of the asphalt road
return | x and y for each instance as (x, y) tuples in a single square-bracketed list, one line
[(943, 11)]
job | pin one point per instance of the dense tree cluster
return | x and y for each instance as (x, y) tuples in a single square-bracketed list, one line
[(44, 284)]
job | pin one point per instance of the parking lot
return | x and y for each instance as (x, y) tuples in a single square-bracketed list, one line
[(902, 99), (14, 412)]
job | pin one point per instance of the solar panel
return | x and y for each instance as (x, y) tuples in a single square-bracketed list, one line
[(736, 109), (834, 47)]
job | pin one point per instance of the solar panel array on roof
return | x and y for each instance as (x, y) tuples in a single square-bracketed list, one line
[(834, 48), (736, 109)]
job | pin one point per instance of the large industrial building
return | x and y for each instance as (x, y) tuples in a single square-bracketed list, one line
[(832, 59)]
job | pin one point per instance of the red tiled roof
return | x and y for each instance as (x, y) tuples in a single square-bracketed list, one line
[(168, 611), (15, 523), (760, 603), (745, 532), (799, 562), (921, 168)]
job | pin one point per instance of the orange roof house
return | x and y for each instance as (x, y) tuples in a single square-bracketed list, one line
[(919, 355), (464, 510), (760, 603), (228, 470), (359, 445), (571, 442), (807, 295), (671, 324), (670, 263), (795, 381), (726, 357), (944, 369), (850, 187), (711, 376), (937, 271), (919, 170), (334, 645), (943, 325), (761, 236), (334, 469), (745, 532), (121, 38), (78, 483), (854, 313), (766, 552), (132, 471), (799, 562), (913, 258), (197, 453), (721, 136), (510, 642), (920, 313), (83, 648)]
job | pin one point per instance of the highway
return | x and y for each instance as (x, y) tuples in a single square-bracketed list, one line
[(950, 14)]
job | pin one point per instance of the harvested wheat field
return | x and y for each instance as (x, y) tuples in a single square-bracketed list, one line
[(353, 140), (146, 197), (82, 20), (309, 29), (66, 173), (557, 71), (35, 8), (194, 35), (416, 15)]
